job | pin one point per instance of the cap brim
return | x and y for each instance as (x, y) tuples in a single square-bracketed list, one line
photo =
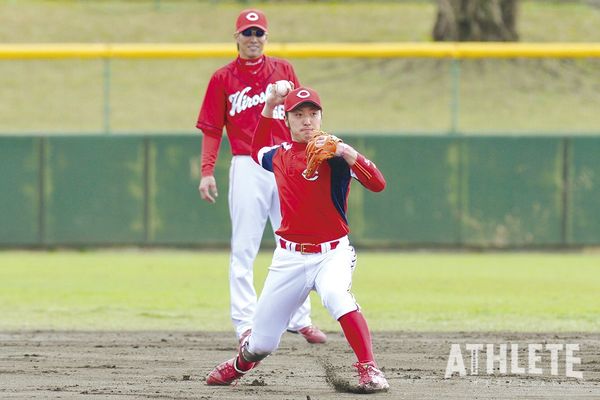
[(299, 103), (243, 27)]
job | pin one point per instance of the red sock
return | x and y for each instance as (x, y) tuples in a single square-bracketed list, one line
[(358, 336), (242, 364)]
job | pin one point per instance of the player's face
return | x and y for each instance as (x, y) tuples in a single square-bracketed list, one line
[(252, 46), (302, 121)]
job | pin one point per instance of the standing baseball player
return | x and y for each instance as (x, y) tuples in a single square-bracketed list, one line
[(313, 250), (234, 98)]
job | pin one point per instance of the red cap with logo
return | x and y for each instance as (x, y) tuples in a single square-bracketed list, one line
[(251, 18), (299, 96)]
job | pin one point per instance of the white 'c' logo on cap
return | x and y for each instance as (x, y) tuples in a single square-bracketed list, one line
[(252, 16), (303, 94)]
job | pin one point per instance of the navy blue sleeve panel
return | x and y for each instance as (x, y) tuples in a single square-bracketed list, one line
[(340, 182), (265, 157)]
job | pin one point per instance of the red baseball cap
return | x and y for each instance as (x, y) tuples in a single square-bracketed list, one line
[(251, 18), (299, 96)]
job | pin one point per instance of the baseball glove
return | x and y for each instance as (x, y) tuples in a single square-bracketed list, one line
[(315, 155)]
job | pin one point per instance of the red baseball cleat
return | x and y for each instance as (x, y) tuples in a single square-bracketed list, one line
[(225, 373), (370, 378), (312, 334)]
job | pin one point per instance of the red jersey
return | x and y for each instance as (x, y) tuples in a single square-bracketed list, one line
[(313, 210), (234, 99)]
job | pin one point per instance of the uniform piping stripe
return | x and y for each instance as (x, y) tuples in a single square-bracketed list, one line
[(363, 170), (261, 153)]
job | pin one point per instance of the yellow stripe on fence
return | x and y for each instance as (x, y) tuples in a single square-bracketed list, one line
[(303, 50)]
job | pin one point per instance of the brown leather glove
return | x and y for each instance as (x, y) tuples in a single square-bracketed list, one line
[(321, 147)]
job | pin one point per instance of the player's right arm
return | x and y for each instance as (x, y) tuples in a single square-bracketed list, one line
[(208, 184), (262, 141), (211, 121)]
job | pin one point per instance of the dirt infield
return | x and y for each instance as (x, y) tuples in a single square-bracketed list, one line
[(172, 365)]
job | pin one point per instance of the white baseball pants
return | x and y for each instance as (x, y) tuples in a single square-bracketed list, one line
[(252, 199), (291, 277)]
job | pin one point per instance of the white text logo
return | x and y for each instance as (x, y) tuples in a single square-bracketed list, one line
[(240, 101), (498, 354)]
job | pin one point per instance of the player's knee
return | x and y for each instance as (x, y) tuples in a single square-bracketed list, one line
[(338, 302), (260, 347), (253, 356), (265, 349), (329, 298)]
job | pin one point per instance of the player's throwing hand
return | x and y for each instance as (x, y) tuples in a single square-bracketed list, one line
[(277, 91)]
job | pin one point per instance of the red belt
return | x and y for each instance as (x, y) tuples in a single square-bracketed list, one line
[(307, 248)]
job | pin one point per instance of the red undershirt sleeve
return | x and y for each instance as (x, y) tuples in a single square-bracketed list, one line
[(210, 151), (262, 136)]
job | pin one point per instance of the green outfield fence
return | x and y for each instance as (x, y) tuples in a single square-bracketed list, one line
[(450, 190), (442, 191)]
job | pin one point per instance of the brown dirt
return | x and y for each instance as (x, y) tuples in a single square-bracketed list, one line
[(173, 365)]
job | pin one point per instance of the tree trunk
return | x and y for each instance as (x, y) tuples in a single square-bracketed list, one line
[(476, 20)]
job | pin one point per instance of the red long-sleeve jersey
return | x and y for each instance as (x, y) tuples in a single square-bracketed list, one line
[(234, 99), (313, 210)]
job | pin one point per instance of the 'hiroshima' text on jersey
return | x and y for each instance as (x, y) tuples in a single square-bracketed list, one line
[(240, 101)]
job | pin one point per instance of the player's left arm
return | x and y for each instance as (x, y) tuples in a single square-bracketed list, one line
[(364, 170)]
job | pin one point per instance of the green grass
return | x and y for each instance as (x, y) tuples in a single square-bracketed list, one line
[(398, 95), (408, 291)]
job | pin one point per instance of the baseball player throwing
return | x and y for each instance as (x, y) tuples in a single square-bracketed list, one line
[(313, 250), (234, 98)]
